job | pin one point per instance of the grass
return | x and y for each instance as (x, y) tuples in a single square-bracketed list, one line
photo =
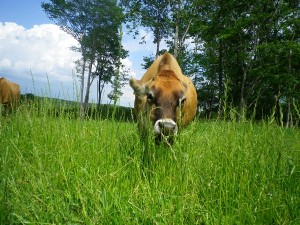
[(60, 170)]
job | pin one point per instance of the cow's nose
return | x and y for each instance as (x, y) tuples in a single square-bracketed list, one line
[(166, 127)]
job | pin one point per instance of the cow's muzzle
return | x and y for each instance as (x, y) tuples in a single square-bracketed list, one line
[(166, 127)]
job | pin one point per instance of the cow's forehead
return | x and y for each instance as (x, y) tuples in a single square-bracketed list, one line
[(167, 82), (167, 86)]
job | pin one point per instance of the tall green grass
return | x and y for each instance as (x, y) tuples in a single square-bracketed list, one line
[(61, 170)]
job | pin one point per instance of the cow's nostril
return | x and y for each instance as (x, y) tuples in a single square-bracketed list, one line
[(166, 127)]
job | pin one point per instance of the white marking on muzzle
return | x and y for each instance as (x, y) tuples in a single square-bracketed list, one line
[(166, 127)]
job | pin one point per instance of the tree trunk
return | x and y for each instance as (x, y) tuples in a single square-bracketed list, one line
[(81, 110), (99, 86), (158, 38), (211, 101), (289, 120), (99, 94), (100, 91), (157, 47), (117, 81), (289, 115), (88, 87), (242, 107), (176, 41), (220, 77)]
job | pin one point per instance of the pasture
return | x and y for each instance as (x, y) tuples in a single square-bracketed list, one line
[(62, 170)]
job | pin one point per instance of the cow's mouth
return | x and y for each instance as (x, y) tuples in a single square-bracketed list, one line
[(165, 127)]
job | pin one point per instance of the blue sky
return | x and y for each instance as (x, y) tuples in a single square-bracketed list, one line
[(35, 53), (24, 12)]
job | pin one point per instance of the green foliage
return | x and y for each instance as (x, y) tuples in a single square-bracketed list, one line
[(95, 25), (69, 109), (152, 15), (254, 48), (61, 170)]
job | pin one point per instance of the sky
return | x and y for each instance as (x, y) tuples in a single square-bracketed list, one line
[(35, 53)]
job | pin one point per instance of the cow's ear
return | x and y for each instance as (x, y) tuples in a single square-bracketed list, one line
[(165, 62), (184, 86), (137, 86)]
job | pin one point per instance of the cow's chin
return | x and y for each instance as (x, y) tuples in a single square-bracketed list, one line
[(165, 127)]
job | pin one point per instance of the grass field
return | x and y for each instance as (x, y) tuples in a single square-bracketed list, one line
[(61, 170)]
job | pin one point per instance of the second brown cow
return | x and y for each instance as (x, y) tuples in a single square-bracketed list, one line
[(9, 92)]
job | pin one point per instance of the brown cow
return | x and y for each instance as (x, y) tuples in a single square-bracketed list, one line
[(164, 97), (9, 92)]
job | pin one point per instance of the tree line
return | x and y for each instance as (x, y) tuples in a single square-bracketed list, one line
[(242, 55)]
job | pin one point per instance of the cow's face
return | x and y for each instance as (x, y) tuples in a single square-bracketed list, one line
[(162, 99)]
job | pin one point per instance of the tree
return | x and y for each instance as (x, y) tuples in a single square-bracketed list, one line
[(151, 14), (240, 35), (94, 24), (180, 23), (240, 54)]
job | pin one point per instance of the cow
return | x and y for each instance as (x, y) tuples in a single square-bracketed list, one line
[(9, 93), (165, 99)]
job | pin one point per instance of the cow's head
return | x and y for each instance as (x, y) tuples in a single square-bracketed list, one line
[(161, 100)]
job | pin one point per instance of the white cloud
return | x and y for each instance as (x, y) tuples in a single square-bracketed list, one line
[(127, 98), (43, 49), (128, 65), (5, 63), (41, 56)]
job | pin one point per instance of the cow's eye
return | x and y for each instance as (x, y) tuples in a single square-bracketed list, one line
[(150, 98), (181, 101)]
